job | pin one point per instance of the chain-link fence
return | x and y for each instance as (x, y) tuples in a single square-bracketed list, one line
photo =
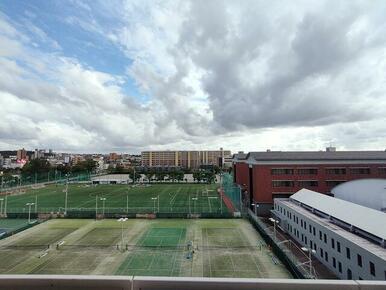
[(231, 191), (22, 180)]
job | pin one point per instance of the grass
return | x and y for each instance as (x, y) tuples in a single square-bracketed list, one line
[(223, 248), (173, 198)]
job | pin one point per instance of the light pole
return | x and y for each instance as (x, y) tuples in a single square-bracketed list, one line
[(65, 201), (154, 199), (121, 220), (1, 205), (194, 206), (255, 206), (310, 252), (127, 199), (5, 204), (29, 204), (274, 226), (190, 211), (103, 199), (96, 207)]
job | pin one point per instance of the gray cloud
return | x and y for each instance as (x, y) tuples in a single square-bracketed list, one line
[(217, 73)]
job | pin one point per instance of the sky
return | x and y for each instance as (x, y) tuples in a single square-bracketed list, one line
[(125, 76)]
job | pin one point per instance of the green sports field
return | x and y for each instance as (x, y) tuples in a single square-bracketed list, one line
[(163, 198), (11, 225), (161, 247)]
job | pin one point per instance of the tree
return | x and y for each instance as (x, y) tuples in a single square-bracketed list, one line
[(149, 175), (36, 166), (180, 175), (197, 175), (160, 176)]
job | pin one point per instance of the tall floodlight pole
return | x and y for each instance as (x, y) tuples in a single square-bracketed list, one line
[(29, 204), (127, 199), (1, 205), (274, 226), (158, 202), (154, 199), (121, 220), (310, 252), (65, 201), (221, 201), (103, 199), (5, 204), (36, 203), (190, 211), (96, 207)]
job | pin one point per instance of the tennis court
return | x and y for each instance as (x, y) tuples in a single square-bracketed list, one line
[(157, 252), (161, 247), (11, 225)]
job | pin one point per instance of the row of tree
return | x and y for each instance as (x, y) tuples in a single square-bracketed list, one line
[(41, 165)]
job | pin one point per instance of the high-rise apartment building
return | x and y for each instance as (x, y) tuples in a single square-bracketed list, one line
[(184, 159), (21, 154)]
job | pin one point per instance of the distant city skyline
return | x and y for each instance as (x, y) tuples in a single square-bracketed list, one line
[(128, 76)]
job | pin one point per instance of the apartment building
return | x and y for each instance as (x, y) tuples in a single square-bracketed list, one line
[(184, 159)]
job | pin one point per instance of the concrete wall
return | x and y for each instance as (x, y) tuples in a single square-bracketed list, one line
[(75, 282), (301, 234)]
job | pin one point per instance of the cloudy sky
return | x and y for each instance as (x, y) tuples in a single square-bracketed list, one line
[(103, 76)]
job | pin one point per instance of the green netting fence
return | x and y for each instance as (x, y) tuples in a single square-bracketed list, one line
[(7, 183), (232, 191)]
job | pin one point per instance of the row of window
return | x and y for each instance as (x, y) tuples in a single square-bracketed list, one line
[(330, 171), (304, 183), (329, 242)]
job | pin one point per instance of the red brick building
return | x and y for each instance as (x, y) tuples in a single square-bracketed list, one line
[(266, 175)]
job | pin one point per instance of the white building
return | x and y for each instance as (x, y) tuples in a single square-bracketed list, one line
[(349, 239)]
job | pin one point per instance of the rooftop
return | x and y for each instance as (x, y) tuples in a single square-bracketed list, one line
[(317, 155), (362, 242), (366, 219)]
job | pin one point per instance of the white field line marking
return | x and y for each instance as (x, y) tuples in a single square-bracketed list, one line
[(230, 255), (175, 255), (207, 245)]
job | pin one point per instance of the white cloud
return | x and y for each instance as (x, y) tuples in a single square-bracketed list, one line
[(247, 76)]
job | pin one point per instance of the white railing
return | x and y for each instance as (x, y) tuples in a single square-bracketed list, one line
[(64, 282)]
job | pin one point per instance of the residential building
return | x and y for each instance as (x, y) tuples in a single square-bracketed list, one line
[(21, 154), (184, 159), (347, 238), (272, 174)]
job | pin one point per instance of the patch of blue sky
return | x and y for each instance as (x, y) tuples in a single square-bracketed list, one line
[(77, 32)]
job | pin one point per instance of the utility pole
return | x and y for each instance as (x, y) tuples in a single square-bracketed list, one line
[(36, 203)]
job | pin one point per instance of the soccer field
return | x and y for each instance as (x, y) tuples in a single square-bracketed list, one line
[(163, 198), (222, 248)]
